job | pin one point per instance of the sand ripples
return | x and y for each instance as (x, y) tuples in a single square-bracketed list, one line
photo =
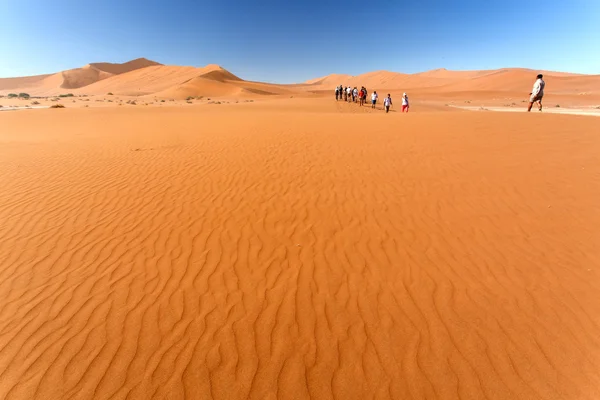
[(178, 254)]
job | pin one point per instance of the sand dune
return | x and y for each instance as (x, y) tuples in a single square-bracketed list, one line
[(142, 77), (158, 79), (442, 80), (298, 249), (116, 68), (54, 84)]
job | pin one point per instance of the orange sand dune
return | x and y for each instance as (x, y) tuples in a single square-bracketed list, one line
[(116, 68), (509, 79), (331, 80), (217, 82), (296, 249), (515, 80), (14, 84), (155, 79), (54, 84)]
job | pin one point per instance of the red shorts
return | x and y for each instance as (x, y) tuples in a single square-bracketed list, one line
[(404, 108)]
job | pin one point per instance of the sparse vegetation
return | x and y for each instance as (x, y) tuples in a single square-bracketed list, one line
[(12, 95), (24, 95), (35, 103), (190, 98), (162, 101), (598, 108), (557, 106), (66, 95), (110, 94), (189, 102), (57, 106)]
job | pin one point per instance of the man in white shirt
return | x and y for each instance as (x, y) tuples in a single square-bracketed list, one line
[(354, 94), (374, 98), (387, 102), (537, 94)]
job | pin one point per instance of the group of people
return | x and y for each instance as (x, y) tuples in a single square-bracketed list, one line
[(349, 94), (353, 95)]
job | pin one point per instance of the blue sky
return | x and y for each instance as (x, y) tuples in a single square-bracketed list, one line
[(292, 41)]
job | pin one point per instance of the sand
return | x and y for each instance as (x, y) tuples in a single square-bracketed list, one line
[(298, 248)]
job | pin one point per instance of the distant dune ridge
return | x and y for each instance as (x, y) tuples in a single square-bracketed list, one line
[(142, 77)]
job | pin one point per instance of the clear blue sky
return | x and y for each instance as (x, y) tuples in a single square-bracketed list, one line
[(292, 41)]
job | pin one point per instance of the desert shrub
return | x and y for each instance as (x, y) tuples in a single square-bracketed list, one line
[(557, 106), (162, 101), (24, 95), (190, 98), (189, 102), (35, 103), (12, 95), (57, 106), (110, 94), (66, 95)]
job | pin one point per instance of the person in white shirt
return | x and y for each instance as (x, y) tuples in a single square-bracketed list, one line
[(387, 102), (537, 94), (405, 104), (349, 92), (354, 94), (374, 98)]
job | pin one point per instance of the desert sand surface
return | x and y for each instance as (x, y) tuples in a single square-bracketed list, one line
[(297, 248)]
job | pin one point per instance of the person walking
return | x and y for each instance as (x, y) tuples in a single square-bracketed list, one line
[(349, 91), (387, 103), (361, 96), (374, 98), (354, 94), (337, 92), (405, 103), (537, 94)]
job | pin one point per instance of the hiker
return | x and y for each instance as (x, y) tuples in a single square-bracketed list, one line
[(405, 105), (365, 95), (374, 99), (337, 92), (349, 91), (345, 93), (387, 102), (361, 96), (537, 93), (354, 94)]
